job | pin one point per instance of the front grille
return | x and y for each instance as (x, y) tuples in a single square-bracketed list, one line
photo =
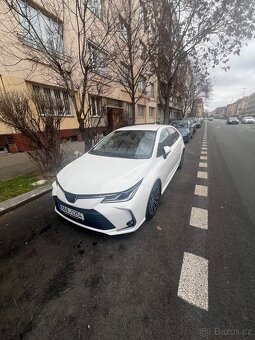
[(92, 218)]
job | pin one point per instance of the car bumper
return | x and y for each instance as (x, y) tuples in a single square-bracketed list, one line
[(108, 218), (186, 138)]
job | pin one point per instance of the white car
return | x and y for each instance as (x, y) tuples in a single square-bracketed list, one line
[(116, 186), (248, 120)]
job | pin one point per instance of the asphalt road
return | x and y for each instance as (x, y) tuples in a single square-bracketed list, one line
[(175, 278)]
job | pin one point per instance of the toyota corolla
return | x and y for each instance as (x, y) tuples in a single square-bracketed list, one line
[(116, 186)]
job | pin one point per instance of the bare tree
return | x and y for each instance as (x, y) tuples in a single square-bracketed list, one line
[(66, 43), (38, 118), (190, 86), (200, 30), (131, 65)]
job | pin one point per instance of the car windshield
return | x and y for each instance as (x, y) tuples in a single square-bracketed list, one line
[(181, 124), (135, 144)]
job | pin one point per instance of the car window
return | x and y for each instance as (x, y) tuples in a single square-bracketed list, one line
[(165, 139), (174, 134)]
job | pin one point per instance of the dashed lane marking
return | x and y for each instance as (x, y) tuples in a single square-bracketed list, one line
[(201, 190), (203, 158), (199, 218), (203, 152), (202, 174), (193, 283), (202, 165)]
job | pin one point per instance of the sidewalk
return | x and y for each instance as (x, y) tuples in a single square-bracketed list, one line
[(12, 165)]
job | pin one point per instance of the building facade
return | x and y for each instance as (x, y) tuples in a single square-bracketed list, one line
[(22, 68)]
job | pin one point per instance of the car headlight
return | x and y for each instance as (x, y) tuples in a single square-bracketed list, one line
[(122, 196)]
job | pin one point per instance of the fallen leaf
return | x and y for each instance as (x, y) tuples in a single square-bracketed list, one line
[(158, 227)]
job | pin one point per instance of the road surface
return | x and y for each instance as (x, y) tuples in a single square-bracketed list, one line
[(187, 274)]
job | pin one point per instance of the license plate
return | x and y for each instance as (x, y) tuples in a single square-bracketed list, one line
[(71, 212)]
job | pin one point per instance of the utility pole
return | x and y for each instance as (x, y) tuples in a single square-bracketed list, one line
[(244, 89)]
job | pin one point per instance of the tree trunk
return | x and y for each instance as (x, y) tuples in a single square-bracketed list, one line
[(133, 111), (166, 111)]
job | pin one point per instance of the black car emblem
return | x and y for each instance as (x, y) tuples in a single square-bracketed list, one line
[(70, 197)]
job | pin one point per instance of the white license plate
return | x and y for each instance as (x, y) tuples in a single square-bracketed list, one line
[(71, 212)]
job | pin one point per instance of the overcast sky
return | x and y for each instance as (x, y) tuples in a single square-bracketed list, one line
[(229, 85)]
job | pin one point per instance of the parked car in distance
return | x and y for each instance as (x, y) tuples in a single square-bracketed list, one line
[(116, 186), (183, 127), (248, 120), (232, 120), (199, 122), (192, 124)]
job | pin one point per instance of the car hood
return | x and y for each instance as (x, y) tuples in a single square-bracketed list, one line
[(92, 174)]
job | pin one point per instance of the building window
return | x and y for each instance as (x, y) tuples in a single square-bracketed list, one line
[(52, 101), (129, 109), (141, 13), (140, 110), (142, 50), (151, 112), (40, 31), (123, 29), (96, 6), (97, 59), (152, 90), (95, 106), (142, 85), (152, 32), (124, 70)]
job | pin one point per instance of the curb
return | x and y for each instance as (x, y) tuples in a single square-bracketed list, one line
[(18, 201)]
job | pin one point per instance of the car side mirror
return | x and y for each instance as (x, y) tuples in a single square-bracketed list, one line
[(166, 151)]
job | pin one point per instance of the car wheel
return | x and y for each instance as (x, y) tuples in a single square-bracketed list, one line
[(181, 161), (152, 205)]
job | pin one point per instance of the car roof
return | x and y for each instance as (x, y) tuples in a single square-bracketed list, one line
[(144, 127)]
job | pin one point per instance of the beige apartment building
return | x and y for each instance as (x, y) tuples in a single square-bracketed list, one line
[(20, 74)]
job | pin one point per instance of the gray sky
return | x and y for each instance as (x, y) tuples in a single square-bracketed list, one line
[(229, 85)]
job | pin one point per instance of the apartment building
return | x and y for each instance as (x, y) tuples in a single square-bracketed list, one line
[(48, 29), (249, 107)]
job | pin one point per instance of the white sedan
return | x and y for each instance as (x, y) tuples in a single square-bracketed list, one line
[(116, 186), (248, 120)]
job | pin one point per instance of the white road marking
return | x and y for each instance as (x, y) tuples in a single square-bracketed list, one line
[(202, 174), (199, 218), (203, 152), (193, 283), (201, 190), (202, 165), (204, 158), (204, 149)]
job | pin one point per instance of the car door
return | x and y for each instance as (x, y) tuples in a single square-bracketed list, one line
[(166, 165), (177, 145)]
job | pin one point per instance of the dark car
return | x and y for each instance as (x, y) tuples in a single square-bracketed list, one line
[(183, 127), (232, 120)]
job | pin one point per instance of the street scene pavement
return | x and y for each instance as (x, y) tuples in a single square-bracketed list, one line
[(186, 274), (12, 165)]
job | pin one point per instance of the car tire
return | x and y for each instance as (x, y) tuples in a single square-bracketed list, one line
[(181, 161), (153, 201)]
